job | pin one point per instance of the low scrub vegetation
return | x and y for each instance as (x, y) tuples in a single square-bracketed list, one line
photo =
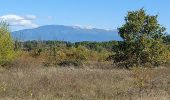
[(27, 79), (76, 56), (136, 68)]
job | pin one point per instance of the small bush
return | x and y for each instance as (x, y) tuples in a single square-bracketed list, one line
[(36, 52)]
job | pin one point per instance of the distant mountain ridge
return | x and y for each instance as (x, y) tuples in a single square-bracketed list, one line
[(66, 33)]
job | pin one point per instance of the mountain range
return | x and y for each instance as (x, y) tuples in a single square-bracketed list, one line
[(66, 33)]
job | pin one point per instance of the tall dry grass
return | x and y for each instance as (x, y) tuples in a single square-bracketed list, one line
[(27, 79)]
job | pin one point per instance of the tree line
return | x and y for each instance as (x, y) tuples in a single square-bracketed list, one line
[(144, 42)]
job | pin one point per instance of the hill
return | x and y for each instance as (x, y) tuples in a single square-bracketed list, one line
[(66, 33)]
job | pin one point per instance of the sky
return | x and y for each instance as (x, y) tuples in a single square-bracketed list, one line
[(104, 14)]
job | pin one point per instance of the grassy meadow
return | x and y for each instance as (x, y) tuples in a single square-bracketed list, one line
[(134, 68), (27, 79)]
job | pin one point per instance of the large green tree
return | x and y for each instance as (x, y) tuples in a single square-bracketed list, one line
[(6, 44), (142, 40)]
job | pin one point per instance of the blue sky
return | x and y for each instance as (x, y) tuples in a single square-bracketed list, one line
[(106, 14)]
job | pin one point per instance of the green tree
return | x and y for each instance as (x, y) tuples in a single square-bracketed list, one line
[(6, 44), (142, 40), (167, 39)]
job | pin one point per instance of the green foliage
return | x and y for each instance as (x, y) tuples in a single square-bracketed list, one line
[(142, 40), (75, 56), (166, 39), (17, 45), (65, 56), (97, 46), (36, 52), (6, 44), (35, 49)]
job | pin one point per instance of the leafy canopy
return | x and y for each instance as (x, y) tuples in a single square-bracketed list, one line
[(142, 40)]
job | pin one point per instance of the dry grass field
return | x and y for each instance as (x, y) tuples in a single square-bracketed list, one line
[(25, 79)]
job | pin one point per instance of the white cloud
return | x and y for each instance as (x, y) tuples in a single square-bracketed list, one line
[(83, 27), (109, 29), (15, 20)]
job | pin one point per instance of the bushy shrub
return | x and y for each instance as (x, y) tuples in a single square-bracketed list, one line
[(6, 45), (67, 56), (142, 41), (75, 56), (36, 52)]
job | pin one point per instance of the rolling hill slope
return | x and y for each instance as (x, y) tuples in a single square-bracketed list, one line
[(66, 33)]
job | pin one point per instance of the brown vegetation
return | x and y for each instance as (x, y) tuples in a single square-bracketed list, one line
[(27, 79)]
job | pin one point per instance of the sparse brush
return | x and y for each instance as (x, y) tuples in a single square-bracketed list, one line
[(74, 56)]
